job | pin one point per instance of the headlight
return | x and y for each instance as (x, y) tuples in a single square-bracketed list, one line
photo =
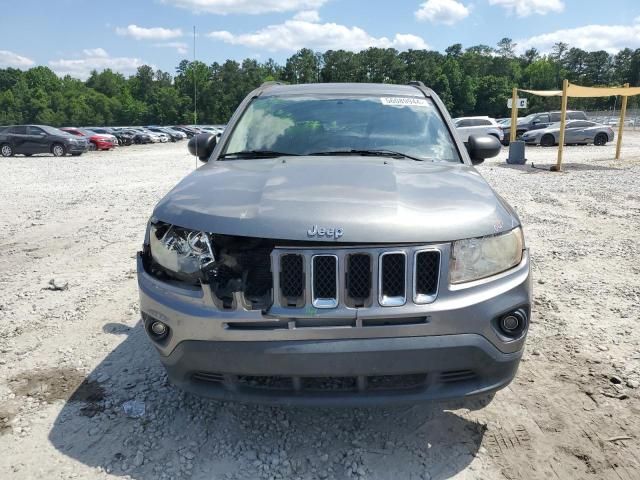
[(477, 258), (183, 252)]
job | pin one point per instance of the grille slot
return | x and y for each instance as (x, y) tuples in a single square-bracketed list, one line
[(358, 279), (208, 377), (324, 286), (453, 376), (392, 279), (292, 278), (425, 276)]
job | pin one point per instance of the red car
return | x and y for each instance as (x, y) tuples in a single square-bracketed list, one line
[(100, 141)]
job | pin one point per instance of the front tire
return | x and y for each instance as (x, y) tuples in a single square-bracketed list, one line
[(6, 150), (601, 139), (58, 150), (547, 140)]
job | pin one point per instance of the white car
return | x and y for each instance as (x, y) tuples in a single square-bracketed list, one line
[(477, 126)]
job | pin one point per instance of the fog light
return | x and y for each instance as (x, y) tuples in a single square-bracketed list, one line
[(510, 323), (513, 324), (159, 329)]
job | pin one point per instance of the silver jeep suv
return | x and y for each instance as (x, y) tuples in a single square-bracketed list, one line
[(338, 248)]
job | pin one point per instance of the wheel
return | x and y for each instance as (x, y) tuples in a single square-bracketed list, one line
[(547, 140), (6, 150), (58, 150), (92, 146), (601, 139)]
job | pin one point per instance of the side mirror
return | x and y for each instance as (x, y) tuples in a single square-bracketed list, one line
[(481, 147), (202, 145)]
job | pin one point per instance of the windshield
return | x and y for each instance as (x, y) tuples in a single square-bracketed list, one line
[(528, 118), (55, 131), (303, 124)]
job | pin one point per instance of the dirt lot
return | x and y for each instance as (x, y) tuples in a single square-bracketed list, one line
[(72, 351)]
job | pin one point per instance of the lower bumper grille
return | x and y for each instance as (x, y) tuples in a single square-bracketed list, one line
[(331, 384)]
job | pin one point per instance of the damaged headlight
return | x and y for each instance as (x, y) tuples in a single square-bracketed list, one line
[(180, 251), (476, 258)]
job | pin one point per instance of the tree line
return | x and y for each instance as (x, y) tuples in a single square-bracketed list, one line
[(472, 81)]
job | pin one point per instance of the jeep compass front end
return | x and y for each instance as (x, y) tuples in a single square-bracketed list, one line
[(338, 248)]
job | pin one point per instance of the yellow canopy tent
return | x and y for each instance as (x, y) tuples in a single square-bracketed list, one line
[(570, 90)]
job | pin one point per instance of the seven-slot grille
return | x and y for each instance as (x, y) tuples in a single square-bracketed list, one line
[(356, 278)]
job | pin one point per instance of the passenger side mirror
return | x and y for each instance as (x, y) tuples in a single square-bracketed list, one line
[(202, 145), (481, 147)]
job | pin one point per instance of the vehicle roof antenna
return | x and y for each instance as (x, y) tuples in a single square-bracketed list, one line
[(195, 92)]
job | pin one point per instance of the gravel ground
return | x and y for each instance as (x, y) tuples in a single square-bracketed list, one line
[(82, 394)]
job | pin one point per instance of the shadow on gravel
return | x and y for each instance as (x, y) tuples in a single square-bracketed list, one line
[(569, 166), (182, 436)]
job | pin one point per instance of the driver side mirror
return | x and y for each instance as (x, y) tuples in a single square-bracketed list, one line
[(481, 147), (202, 145)]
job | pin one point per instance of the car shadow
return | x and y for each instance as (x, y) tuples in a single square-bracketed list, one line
[(170, 434), (535, 167)]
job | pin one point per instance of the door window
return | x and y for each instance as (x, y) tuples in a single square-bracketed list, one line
[(19, 130), (34, 131)]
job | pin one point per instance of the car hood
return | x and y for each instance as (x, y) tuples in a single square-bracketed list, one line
[(372, 200)]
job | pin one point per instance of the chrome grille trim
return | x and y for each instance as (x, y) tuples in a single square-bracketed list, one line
[(318, 275), (422, 298), (391, 301), (345, 307)]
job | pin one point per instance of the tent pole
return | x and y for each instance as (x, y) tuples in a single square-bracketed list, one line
[(563, 122), (514, 115), (623, 112)]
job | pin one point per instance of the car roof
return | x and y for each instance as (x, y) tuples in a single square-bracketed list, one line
[(343, 88)]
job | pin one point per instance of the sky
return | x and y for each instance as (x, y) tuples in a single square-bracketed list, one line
[(75, 36)]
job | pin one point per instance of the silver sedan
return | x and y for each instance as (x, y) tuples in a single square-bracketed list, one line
[(576, 132)]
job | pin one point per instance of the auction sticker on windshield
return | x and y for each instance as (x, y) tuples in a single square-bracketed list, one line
[(404, 101)]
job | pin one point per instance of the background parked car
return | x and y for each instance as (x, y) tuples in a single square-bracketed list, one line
[(32, 139), (174, 136), (105, 131), (576, 132), (477, 126), (540, 120), (137, 136), (99, 141), (189, 131)]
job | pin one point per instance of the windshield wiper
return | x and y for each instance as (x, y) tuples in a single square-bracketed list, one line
[(373, 153), (258, 154)]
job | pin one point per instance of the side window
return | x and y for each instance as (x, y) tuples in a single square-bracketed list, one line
[(34, 131), (555, 117), (484, 123), (542, 119), (19, 130), (464, 123), (577, 115)]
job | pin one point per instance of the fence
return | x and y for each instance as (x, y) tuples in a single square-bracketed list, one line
[(612, 117)]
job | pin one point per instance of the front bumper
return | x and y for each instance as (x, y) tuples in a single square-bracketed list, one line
[(457, 351), (77, 147), (363, 372)]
